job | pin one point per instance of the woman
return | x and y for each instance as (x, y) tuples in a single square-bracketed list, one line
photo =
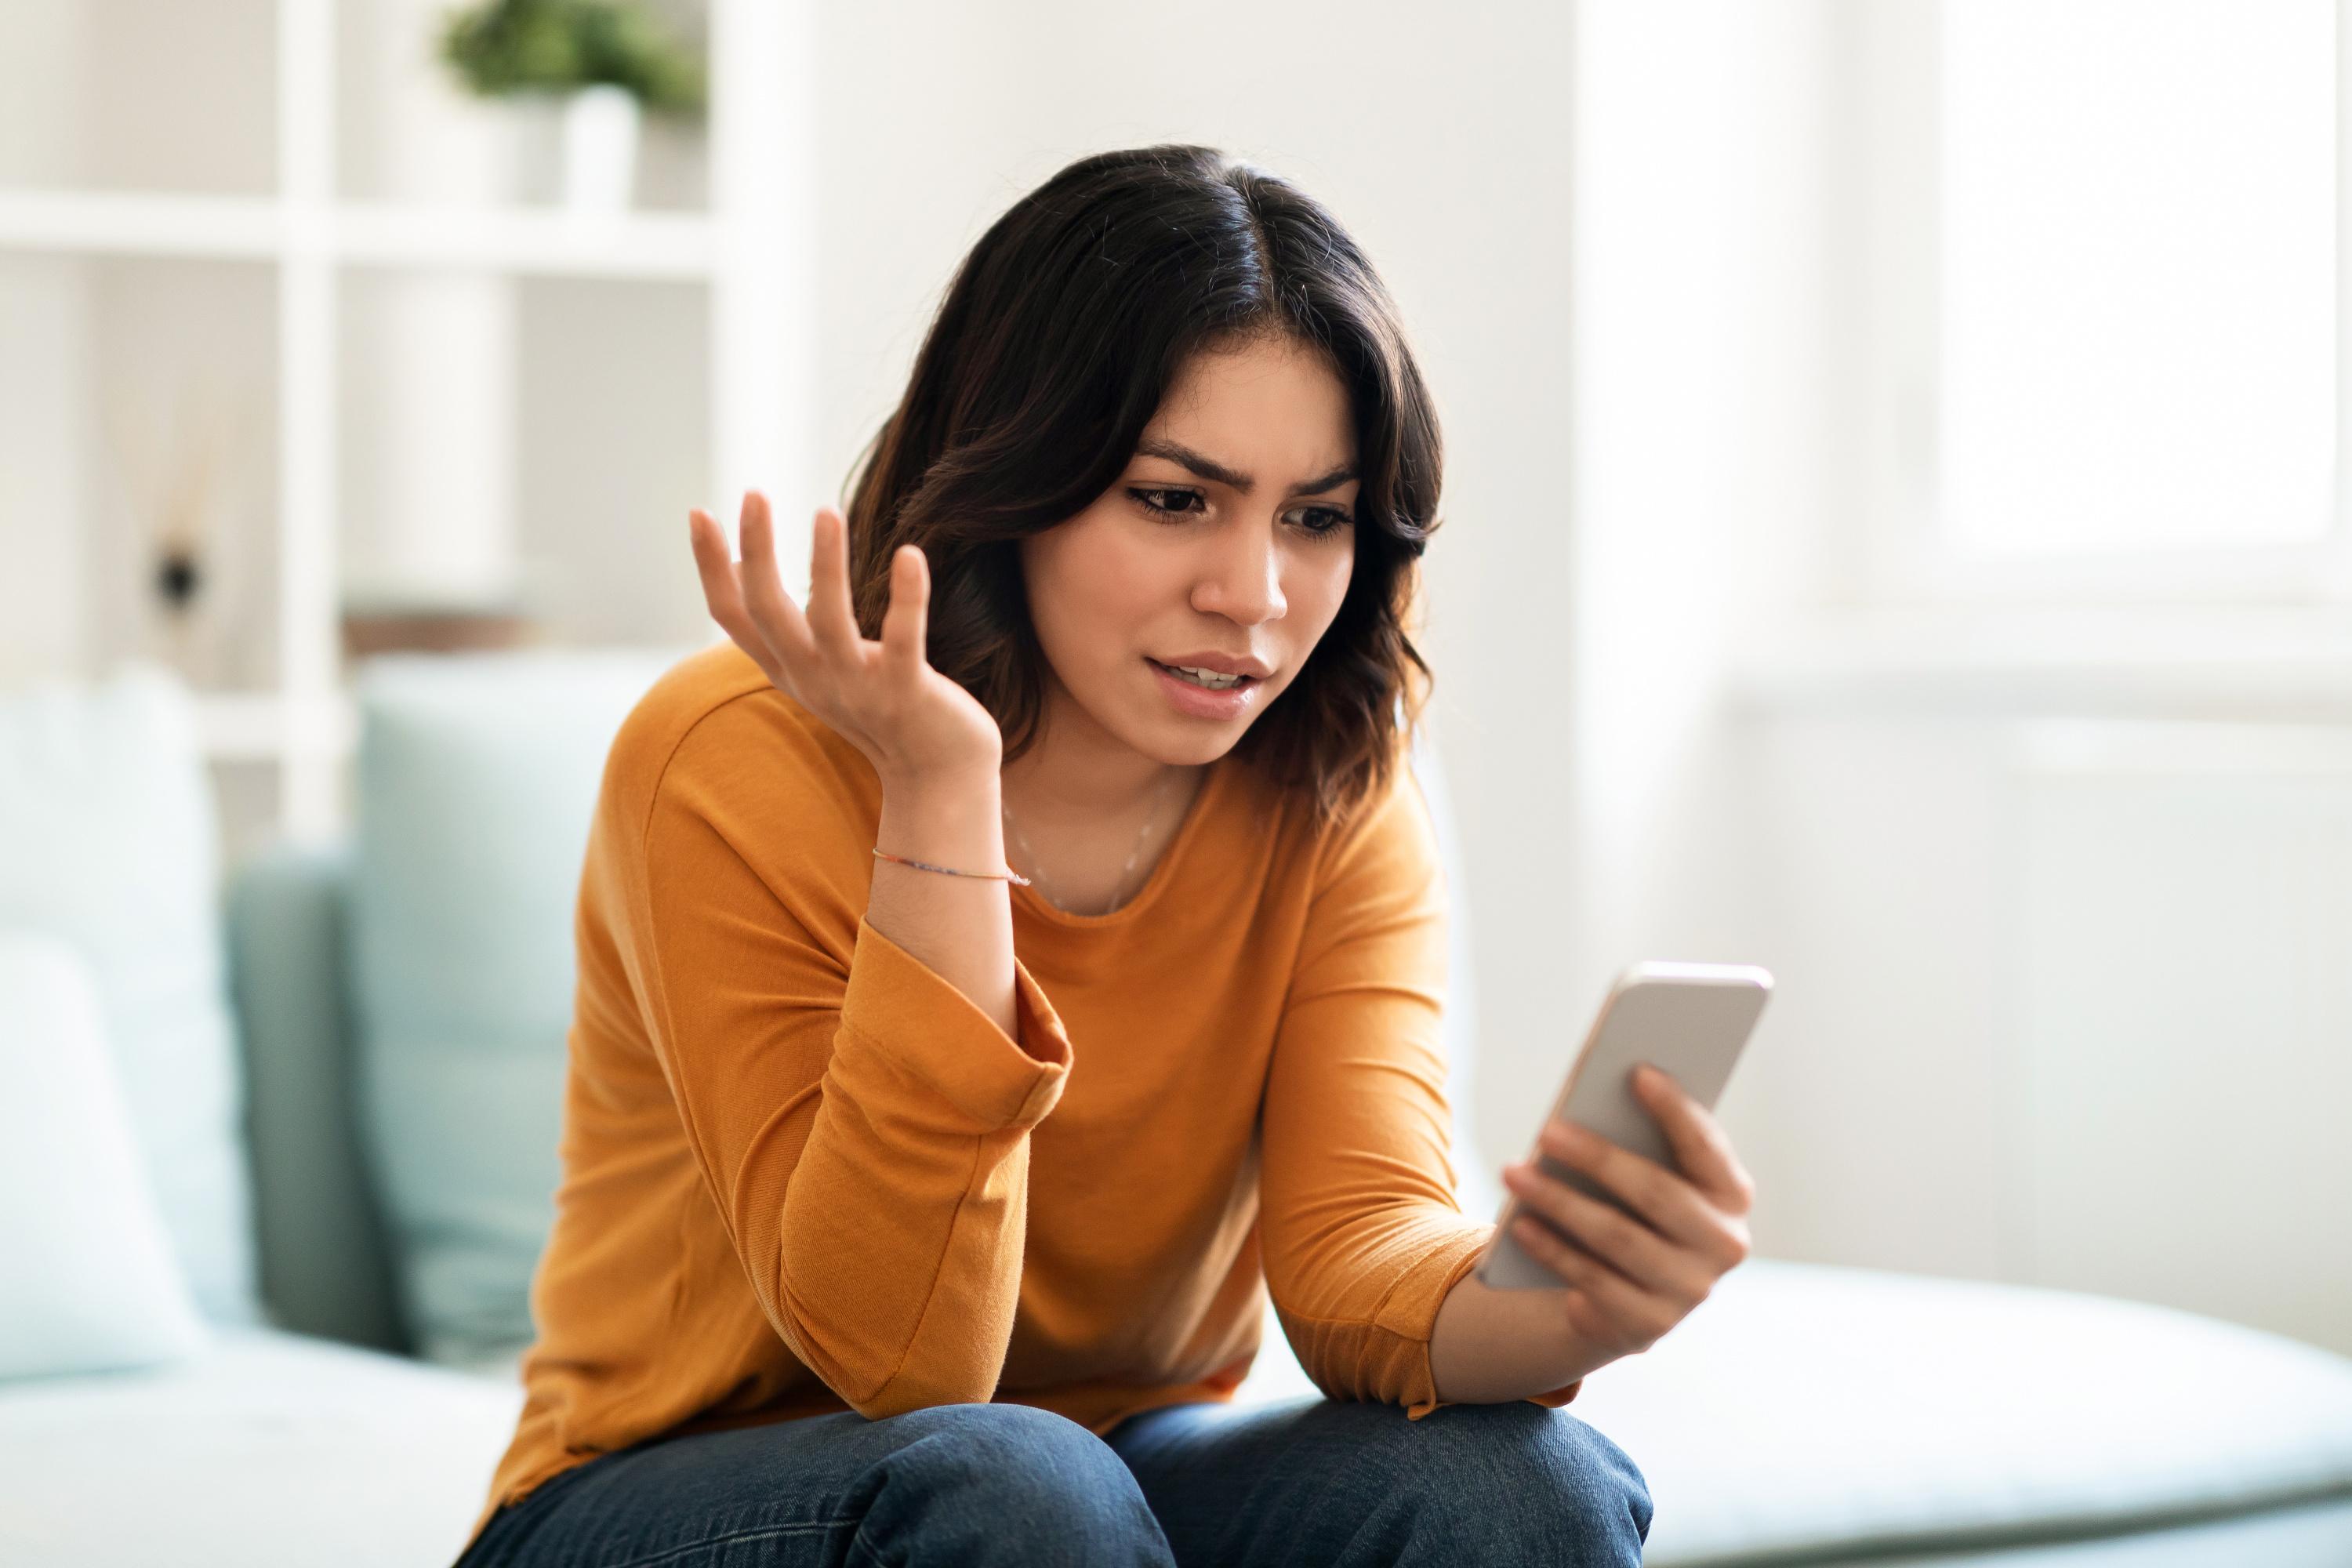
[(986, 992)]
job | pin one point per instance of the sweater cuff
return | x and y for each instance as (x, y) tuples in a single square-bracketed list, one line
[(1424, 1399), (932, 1032)]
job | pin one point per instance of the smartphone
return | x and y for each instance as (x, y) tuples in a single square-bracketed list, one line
[(1689, 1019)]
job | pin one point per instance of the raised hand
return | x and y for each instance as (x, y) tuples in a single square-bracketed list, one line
[(912, 724), (1632, 1278)]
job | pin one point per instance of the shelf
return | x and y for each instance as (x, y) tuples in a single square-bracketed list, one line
[(238, 229), (257, 256), (543, 241), (550, 242)]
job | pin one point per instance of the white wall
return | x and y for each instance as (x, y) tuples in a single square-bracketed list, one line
[(1702, 457)]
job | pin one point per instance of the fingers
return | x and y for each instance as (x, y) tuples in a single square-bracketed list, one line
[(1701, 1147), (748, 600), (1623, 1244), (831, 617), (769, 608), (716, 567), (906, 624), (1612, 1309), (722, 592), (1673, 1207)]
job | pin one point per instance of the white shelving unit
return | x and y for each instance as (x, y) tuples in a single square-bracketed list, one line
[(749, 250)]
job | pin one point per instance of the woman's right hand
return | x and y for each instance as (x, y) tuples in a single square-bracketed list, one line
[(914, 724)]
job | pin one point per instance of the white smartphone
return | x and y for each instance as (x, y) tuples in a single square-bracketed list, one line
[(1689, 1019)]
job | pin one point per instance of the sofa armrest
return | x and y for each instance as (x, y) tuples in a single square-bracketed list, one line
[(326, 1268)]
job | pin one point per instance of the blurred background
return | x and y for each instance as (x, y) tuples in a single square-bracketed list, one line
[(1894, 531)]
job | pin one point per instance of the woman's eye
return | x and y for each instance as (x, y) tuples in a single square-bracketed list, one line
[(1168, 502), (1164, 502)]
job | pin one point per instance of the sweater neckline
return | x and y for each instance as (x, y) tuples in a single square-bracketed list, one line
[(1163, 869)]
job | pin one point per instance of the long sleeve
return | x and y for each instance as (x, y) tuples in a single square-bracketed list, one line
[(1362, 1236), (861, 1125)]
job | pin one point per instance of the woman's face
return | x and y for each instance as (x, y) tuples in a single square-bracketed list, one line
[(1252, 455)]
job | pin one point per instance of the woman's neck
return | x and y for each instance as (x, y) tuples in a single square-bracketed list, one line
[(1090, 816), (1076, 772)]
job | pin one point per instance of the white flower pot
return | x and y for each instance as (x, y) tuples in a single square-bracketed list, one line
[(600, 150)]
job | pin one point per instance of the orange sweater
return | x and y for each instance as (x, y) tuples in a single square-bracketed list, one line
[(802, 1172)]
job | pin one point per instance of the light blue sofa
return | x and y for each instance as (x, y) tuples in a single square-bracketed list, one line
[(402, 999)]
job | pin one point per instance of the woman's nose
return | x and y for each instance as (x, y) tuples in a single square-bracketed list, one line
[(1244, 583)]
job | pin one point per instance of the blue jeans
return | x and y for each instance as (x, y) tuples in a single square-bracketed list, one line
[(1306, 1483)]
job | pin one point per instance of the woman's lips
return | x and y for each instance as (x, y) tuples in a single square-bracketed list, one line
[(1198, 702)]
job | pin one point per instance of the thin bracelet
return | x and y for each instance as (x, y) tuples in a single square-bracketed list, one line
[(1008, 875)]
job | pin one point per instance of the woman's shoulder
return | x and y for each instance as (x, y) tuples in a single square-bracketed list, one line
[(1388, 836), (713, 733)]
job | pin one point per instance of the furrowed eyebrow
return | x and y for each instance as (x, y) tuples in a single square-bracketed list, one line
[(1210, 468)]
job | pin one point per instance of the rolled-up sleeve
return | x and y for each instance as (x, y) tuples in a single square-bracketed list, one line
[(1362, 1236), (861, 1124)]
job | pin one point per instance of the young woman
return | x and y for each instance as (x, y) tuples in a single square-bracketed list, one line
[(998, 974)]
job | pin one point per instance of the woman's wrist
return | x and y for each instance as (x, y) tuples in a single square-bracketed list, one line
[(1489, 1345), (961, 928), (949, 821)]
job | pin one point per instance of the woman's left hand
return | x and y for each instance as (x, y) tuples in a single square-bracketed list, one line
[(1630, 1280)]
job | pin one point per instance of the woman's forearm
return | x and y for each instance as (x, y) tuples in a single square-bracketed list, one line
[(959, 927), (1490, 1345)]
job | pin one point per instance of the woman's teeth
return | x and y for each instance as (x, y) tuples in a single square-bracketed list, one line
[(1205, 678)]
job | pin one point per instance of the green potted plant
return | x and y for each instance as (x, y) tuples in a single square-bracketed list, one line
[(608, 61)]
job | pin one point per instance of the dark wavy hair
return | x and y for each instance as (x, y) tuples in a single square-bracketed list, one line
[(1059, 337)]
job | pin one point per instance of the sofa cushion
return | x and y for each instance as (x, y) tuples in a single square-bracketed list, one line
[(1803, 1407), (89, 1284), (106, 840), (326, 1263), (476, 774), (264, 1450)]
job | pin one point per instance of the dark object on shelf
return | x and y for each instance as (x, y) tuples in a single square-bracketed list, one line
[(179, 575), (371, 631), (505, 47)]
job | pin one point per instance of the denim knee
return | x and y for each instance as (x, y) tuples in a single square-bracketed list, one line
[(1528, 1483), (1583, 1461), (1038, 1486)]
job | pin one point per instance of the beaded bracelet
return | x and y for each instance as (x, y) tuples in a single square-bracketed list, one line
[(1005, 876)]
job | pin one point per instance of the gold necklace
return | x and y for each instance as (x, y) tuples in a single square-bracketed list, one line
[(1045, 884)]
